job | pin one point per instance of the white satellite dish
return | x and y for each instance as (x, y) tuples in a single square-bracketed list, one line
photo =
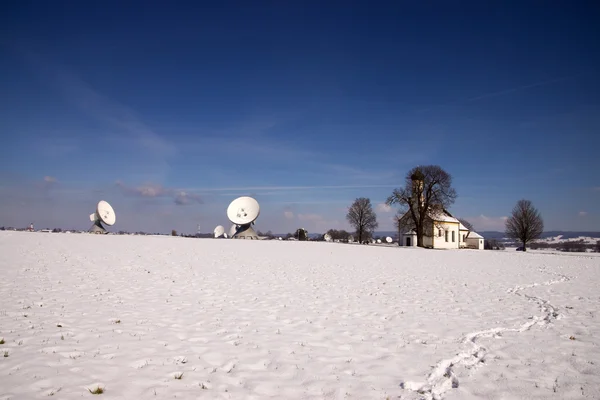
[(243, 211), (389, 239), (104, 213), (327, 237), (225, 235), (219, 231), (378, 241), (233, 230)]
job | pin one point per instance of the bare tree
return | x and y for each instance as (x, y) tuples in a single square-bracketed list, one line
[(362, 217), (427, 191), (598, 246), (466, 224), (525, 223)]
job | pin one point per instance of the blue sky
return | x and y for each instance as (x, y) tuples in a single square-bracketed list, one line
[(170, 111)]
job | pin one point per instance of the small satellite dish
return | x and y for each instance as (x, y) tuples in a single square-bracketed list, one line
[(243, 211), (327, 237), (378, 241), (389, 239), (233, 230), (104, 213), (219, 231)]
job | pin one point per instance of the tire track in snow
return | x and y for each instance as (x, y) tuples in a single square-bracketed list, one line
[(442, 378)]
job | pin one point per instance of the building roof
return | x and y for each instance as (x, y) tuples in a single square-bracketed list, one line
[(474, 235), (462, 228), (444, 216)]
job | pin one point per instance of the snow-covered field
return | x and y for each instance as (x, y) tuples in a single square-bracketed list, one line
[(292, 320)]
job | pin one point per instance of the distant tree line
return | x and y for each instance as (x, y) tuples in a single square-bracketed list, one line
[(568, 246), (267, 234), (340, 235), (492, 244)]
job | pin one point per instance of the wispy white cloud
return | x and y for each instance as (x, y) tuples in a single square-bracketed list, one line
[(315, 202), (130, 129), (287, 188), (183, 198), (288, 214), (582, 213), (307, 162), (50, 179), (519, 88), (384, 208), (180, 197), (148, 190)]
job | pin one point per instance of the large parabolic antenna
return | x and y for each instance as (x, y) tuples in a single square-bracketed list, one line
[(233, 230), (104, 214), (327, 237), (219, 231), (243, 211), (389, 239)]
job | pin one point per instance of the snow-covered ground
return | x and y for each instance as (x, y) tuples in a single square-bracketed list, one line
[(292, 320)]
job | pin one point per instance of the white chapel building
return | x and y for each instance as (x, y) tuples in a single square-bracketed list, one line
[(443, 231), (446, 233)]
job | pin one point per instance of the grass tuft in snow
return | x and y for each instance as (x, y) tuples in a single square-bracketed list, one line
[(6, 353), (98, 390), (178, 376), (2, 341)]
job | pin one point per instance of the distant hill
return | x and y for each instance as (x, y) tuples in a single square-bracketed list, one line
[(550, 234)]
